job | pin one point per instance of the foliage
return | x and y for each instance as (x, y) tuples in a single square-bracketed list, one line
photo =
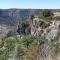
[(27, 40), (46, 13), (6, 48), (32, 16), (10, 43), (56, 44), (21, 50), (25, 24)]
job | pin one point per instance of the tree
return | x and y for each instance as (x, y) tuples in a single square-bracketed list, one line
[(46, 13), (25, 24), (31, 17), (27, 40)]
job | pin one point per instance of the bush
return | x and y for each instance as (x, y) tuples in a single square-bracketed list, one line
[(46, 13), (31, 17)]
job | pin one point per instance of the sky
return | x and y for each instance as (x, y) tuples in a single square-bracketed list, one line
[(30, 4)]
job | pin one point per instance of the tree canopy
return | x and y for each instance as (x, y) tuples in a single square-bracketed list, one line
[(46, 13)]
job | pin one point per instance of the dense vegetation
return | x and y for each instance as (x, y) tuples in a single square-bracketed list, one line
[(27, 46), (10, 44), (46, 14)]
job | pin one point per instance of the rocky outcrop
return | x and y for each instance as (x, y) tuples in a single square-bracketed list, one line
[(44, 28), (47, 31)]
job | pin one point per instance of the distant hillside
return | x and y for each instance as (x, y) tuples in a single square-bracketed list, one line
[(9, 19), (12, 16)]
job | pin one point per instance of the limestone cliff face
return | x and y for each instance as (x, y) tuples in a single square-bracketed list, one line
[(47, 31)]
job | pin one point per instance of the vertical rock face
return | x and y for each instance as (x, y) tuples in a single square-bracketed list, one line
[(45, 28), (47, 31)]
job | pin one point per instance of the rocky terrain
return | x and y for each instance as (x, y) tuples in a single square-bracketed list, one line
[(47, 31), (36, 38), (48, 41)]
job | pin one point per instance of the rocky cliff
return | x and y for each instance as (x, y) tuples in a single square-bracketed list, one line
[(11, 18), (49, 33)]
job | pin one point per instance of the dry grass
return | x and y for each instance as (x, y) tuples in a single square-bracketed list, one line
[(32, 52)]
